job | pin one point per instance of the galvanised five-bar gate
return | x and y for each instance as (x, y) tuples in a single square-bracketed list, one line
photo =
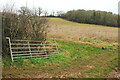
[(32, 49)]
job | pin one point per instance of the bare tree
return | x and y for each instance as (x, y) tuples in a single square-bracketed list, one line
[(39, 11), (45, 13), (35, 12), (24, 11), (8, 8), (59, 13), (53, 13)]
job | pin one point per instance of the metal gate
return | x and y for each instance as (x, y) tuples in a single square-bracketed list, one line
[(32, 49)]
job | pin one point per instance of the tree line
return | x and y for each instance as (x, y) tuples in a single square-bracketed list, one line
[(92, 17)]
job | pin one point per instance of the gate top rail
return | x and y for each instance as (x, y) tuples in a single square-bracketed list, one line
[(32, 41)]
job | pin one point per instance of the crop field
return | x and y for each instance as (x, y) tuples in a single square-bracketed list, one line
[(85, 51), (63, 29)]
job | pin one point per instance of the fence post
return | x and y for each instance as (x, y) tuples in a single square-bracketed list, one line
[(10, 48), (29, 49)]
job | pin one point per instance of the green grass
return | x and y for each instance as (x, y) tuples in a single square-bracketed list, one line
[(95, 72), (80, 38), (100, 72), (6, 61), (79, 50), (61, 21), (85, 40), (115, 40), (89, 40), (114, 45), (71, 54)]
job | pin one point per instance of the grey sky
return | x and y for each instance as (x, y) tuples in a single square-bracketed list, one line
[(65, 5)]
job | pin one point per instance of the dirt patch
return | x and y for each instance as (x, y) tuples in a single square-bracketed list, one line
[(114, 74)]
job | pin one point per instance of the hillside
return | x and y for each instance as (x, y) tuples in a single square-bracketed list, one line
[(85, 51), (61, 29)]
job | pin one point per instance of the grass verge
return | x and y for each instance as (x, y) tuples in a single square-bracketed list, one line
[(72, 58)]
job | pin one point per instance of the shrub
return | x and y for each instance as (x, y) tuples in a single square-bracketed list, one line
[(22, 27)]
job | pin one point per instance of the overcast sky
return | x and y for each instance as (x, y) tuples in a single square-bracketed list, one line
[(66, 5)]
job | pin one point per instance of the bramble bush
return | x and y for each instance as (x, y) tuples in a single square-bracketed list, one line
[(23, 26)]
